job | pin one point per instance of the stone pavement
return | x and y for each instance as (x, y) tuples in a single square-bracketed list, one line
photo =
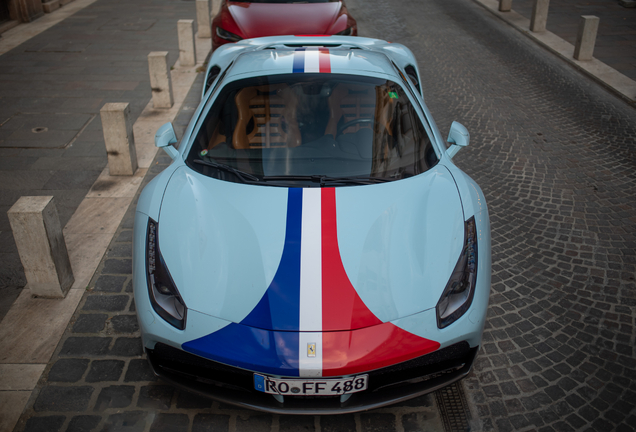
[(51, 90), (32, 328), (554, 154)]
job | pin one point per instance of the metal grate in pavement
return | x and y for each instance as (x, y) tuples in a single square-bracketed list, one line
[(453, 408)]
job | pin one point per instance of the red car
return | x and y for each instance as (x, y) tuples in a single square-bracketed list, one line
[(239, 20)]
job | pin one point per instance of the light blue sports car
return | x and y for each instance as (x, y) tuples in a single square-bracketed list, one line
[(312, 249)]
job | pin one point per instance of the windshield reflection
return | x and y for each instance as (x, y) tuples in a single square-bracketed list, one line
[(304, 125)]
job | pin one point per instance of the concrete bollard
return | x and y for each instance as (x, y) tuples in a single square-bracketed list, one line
[(539, 15), (118, 136), (204, 24), (187, 55), (160, 82), (505, 5), (49, 6), (586, 37), (38, 235)]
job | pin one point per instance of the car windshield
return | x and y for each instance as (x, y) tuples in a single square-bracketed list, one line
[(311, 130)]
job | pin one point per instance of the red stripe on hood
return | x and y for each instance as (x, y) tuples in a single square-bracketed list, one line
[(342, 307)]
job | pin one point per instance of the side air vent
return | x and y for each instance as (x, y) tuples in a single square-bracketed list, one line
[(214, 72), (412, 74)]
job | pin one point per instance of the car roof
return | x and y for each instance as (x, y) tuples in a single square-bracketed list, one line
[(307, 59)]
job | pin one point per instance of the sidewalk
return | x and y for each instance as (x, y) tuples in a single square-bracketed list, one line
[(616, 38), (51, 90), (101, 343), (96, 56)]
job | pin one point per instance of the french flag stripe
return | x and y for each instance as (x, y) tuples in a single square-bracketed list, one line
[(342, 307), (310, 285), (299, 60), (311, 262), (312, 62), (325, 61), (311, 322)]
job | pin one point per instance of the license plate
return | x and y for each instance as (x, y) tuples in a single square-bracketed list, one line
[(310, 387)]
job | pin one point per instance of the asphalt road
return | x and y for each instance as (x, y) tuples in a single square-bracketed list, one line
[(554, 154)]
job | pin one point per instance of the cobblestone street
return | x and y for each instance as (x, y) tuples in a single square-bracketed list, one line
[(554, 153)]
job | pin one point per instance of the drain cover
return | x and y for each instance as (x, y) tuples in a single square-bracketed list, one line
[(453, 408)]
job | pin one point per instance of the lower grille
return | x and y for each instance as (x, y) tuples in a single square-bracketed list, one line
[(427, 366), (389, 385), (192, 367)]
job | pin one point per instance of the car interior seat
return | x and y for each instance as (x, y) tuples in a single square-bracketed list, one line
[(349, 102), (266, 118)]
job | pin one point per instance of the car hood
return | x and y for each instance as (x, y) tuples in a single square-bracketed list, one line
[(311, 259), (272, 19)]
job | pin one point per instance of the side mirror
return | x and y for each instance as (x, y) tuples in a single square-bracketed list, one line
[(458, 137), (164, 138)]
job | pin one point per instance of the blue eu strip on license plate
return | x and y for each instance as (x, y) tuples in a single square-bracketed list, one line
[(259, 382), (310, 387)]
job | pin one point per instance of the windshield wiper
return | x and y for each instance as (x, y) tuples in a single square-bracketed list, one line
[(240, 174), (325, 180)]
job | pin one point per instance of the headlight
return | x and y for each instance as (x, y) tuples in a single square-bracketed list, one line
[(460, 289), (224, 34), (164, 296), (345, 32)]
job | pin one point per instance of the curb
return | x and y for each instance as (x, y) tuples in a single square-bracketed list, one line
[(608, 77)]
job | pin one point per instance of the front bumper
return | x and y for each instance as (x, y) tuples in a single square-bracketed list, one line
[(387, 386)]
